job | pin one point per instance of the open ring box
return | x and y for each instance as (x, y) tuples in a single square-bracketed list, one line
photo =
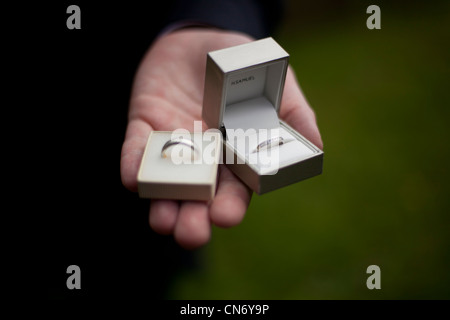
[(242, 97), (180, 171)]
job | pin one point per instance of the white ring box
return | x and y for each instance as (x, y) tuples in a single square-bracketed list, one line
[(242, 97), (180, 178)]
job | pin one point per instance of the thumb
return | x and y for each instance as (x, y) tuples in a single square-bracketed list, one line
[(296, 111)]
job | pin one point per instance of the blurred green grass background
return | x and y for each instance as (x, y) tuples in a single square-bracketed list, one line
[(382, 104)]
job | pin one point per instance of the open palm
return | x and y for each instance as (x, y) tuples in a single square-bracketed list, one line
[(167, 95)]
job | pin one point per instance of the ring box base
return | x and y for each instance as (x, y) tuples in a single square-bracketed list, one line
[(308, 167), (243, 90)]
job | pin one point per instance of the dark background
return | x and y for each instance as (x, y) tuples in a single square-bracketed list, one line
[(80, 83)]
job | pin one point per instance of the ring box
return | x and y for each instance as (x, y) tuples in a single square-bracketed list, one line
[(242, 98), (170, 174)]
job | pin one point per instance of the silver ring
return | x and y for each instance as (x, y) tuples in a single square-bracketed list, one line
[(172, 142), (278, 141)]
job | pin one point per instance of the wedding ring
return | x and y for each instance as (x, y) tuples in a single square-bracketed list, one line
[(178, 141), (273, 142)]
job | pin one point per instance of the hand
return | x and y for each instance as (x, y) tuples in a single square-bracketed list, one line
[(167, 94)]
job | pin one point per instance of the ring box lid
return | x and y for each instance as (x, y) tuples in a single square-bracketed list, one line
[(161, 178), (244, 78)]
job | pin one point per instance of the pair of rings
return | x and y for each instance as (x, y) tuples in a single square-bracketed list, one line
[(278, 141)]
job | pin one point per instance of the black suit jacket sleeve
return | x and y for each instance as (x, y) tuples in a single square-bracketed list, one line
[(255, 17)]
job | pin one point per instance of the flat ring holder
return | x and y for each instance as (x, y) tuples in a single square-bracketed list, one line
[(179, 141)]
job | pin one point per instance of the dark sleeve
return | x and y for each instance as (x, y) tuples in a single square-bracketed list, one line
[(255, 17)]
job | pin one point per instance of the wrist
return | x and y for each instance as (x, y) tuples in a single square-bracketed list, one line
[(184, 24)]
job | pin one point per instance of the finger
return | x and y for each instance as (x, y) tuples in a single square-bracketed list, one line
[(231, 202), (192, 228), (132, 151), (163, 216), (297, 112)]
